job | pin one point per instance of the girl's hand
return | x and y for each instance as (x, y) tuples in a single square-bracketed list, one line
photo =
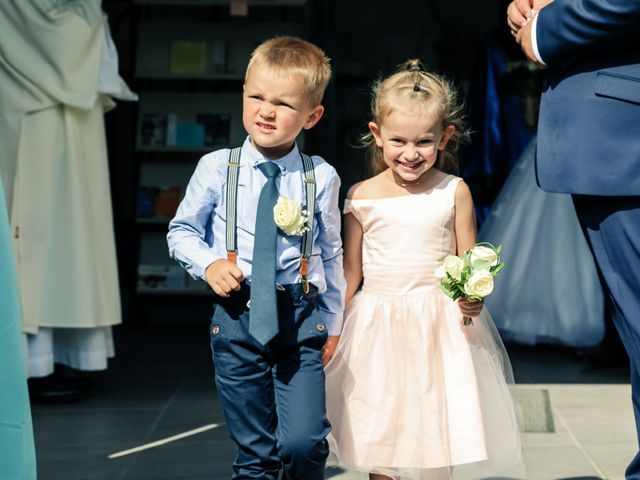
[(329, 348), (470, 308)]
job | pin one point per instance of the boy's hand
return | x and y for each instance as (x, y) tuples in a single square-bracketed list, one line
[(329, 348), (470, 308), (223, 277)]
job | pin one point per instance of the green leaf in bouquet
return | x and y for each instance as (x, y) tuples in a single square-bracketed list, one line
[(448, 291), (452, 287), (466, 273), (496, 269)]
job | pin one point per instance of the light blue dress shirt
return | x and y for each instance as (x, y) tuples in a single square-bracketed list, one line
[(197, 235)]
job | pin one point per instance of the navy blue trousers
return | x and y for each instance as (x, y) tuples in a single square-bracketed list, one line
[(273, 396), (612, 229)]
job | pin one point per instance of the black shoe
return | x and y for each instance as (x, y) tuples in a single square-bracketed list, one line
[(52, 390)]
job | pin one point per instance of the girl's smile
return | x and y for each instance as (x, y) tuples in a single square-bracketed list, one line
[(411, 167)]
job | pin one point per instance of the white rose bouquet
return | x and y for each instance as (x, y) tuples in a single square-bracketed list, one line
[(470, 275), (290, 217)]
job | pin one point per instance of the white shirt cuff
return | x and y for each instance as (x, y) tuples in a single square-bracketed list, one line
[(534, 39)]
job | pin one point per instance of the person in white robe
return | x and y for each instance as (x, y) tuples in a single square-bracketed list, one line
[(58, 71)]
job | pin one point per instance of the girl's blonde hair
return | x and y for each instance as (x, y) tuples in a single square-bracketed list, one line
[(413, 86), (293, 55)]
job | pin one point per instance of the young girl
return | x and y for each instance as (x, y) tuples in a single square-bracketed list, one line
[(411, 392)]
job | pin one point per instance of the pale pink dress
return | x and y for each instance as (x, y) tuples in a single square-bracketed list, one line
[(410, 391)]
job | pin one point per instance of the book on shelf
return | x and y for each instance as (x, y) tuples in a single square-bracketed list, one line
[(216, 129), (219, 56), (159, 203), (189, 134), (239, 8), (162, 130), (161, 277), (157, 129), (187, 57)]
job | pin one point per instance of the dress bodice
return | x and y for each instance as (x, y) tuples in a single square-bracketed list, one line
[(406, 237)]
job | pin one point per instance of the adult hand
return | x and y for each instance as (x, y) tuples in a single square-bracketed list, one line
[(223, 277), (470, 308), (329, 348), (519, 12)]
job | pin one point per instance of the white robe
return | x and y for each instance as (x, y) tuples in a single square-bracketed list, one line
[(55, 59)]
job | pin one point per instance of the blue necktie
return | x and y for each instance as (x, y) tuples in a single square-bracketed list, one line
[(263, 316)]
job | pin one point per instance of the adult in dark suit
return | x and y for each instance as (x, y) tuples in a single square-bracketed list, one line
[(589, 139)]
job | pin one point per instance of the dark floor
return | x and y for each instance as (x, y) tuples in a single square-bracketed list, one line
[(161, 384)]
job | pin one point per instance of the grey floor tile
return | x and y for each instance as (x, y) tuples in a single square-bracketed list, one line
[(88, 428), (549, 463), (79, 462), (184, 460)]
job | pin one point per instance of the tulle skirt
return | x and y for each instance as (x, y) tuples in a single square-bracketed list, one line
[(414, 394)]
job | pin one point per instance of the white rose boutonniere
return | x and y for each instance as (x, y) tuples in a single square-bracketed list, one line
[(290, 217), (471, 274)]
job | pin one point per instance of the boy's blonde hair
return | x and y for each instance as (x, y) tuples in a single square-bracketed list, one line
[(413, 87), (294, 56)]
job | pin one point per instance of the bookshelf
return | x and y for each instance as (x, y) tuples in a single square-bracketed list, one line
[(189, 73), (201, 50)]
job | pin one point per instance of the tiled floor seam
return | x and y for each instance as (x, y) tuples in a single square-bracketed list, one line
[(578, 444), (156, 422)]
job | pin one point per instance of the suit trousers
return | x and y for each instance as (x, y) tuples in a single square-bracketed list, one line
[(612, 228), (273, 396)]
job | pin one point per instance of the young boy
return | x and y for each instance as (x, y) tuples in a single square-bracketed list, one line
[(278, 291)]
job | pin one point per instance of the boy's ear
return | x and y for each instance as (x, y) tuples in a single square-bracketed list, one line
[(314, 117), (374, 128), (446, 136)]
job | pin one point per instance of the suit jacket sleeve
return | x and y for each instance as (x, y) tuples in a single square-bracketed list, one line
[(570, 29)]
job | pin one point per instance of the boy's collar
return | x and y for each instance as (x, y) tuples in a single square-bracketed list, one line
[(290, 162)]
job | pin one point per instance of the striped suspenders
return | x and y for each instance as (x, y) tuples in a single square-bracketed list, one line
[(232, 212)]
